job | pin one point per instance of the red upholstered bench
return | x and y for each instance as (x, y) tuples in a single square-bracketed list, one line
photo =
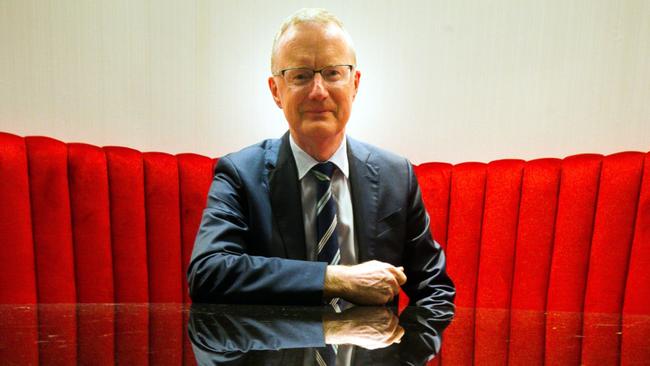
[(80, 223)]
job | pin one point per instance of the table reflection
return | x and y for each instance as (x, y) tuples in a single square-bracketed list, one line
[(313, 336), (173, 334)]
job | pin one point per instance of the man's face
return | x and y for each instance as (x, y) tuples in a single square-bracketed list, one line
[(318, 111)]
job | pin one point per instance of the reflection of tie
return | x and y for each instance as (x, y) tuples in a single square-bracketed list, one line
[(326, 356), (328, 243), (326, 220)]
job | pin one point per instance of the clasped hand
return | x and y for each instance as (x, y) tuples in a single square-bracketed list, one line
[(369, 283)]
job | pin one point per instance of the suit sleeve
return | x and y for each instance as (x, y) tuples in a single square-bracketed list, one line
[(424, 260), (222, 270)]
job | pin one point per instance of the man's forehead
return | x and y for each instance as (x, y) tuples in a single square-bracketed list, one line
[(309, 40), (326, 30)]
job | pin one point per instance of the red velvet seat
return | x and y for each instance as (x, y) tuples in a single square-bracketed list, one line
[(90, 224), (80, 223)]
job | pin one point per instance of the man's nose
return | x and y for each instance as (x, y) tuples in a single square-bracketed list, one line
[(318, 88)]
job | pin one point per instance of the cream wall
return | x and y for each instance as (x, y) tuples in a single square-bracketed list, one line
[(441, 80)]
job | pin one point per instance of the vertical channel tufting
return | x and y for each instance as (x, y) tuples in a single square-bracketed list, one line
[(89, 203), (533, 251), (435, 181), (618, 198), (48, 182), (464, 236), (128, 232), (17, 272), (164, 256), (163, 227), (465, 220), (613, 231), (195, 174), (573, 231), (535, 233), (53, 249), (91, 231), (567, 282), (17, 277), (496, 264), (635, 347), (502, 196)]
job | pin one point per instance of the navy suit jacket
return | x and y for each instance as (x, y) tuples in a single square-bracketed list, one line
[(250, 247)]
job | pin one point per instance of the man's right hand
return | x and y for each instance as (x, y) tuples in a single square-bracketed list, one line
[(369, 283)]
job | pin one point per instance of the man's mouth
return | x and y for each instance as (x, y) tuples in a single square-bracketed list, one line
[(317, 111)]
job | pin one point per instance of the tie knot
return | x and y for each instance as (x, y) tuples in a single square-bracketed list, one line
[(323, 171)]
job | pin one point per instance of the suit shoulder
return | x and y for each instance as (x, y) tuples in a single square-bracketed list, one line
[(378, 155), (253, 155)]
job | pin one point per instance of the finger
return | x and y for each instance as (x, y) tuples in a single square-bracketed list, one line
[(398, 272), (401, 276), (394, 286)]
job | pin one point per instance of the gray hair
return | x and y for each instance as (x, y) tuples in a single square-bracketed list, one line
[(309, 15)]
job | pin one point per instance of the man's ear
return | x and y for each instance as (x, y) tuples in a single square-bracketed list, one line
[(274, 92), (357, 77)]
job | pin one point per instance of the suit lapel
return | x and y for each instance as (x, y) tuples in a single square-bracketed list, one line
[(286, 202), (364, 186)]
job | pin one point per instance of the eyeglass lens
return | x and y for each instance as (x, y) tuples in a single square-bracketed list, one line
[(303, 76)]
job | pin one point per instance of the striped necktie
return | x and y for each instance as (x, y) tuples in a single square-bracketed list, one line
[(326, 356), (326, 220)]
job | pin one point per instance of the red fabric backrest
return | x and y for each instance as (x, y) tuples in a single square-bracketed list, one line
[(89, 202), (163, 227), (91, 224), (80, 223), (17, 272), (50, 203), (569, 235), (195, 175), (548, 234)]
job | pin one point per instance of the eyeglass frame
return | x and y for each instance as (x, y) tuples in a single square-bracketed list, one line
[(315, 71)]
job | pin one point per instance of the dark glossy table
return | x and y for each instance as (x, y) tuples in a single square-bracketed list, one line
[(175, 334)]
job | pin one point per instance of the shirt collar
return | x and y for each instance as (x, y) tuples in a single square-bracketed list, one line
[(305, 162)]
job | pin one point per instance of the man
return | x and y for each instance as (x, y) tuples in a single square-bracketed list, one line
[(315, 217)]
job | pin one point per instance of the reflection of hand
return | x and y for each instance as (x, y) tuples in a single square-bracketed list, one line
[(369, 283), (366, 327)]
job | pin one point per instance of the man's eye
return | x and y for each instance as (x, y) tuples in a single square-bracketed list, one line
[(332, 74), (300, 76)]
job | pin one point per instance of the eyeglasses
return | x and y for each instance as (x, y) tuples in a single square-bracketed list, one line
[(302, 76)]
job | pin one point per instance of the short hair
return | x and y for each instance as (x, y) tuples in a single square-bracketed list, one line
[(310, 15)]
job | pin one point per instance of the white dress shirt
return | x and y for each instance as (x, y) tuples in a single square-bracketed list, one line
[(342, 198)]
